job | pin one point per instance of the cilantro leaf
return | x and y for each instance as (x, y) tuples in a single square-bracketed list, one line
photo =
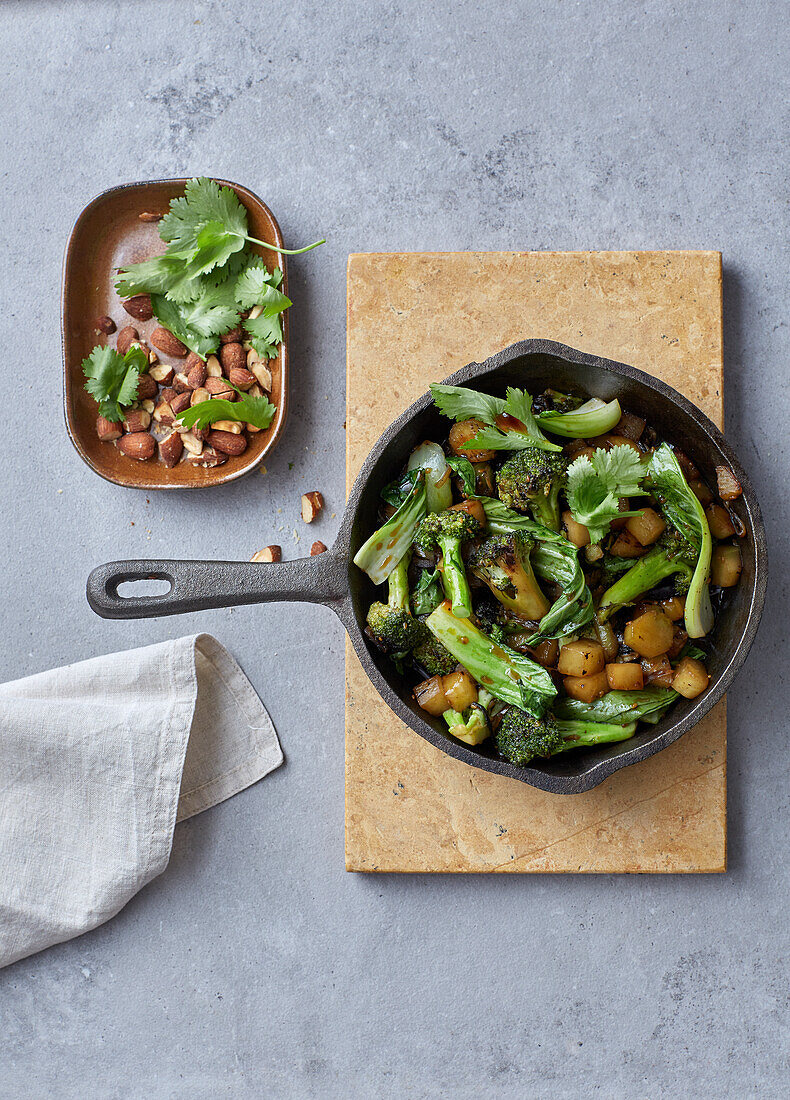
[(460, 403), (204, 203), (112, 379), (173, 316), (264, 334), (213, 312), (151, 276), (594, 487), (258, 286), (249, 410)]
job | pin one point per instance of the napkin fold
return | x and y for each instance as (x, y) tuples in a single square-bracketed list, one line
[(98, 761)]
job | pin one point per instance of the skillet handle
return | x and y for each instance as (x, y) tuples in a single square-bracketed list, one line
[(198, 585)]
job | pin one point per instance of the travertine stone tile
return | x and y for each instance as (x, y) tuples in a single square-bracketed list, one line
[(415, 319)]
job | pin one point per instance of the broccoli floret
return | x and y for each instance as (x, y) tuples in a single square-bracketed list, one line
[(502, 561), (672, 554), (431, 655), (521, 737), (445, 531), (472, 726), (391, 625), (531, 481)]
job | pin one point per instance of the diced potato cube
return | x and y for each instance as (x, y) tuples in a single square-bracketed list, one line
[(701, 491), (650, 633), (674, 608), (546, 653), (691, 678), (577, 532), (658, 671), (620, 441), (630, 426), (678, 641), (625, 677), (459, 689), (726, 566), (461, 433), (647, 527), (586, 688), (626, 546), (581, 658), (721, 526), (472, 508), (430, 696)]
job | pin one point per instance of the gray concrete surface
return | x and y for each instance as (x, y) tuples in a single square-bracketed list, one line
[(255, 966)]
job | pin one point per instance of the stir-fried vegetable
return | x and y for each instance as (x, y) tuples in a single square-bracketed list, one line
[(548, 639), (384, 549), (685, 512)]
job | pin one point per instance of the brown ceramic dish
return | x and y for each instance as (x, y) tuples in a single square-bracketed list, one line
[(109, 234)]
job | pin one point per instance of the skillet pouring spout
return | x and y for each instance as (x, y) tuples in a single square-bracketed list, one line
[(199, 585)]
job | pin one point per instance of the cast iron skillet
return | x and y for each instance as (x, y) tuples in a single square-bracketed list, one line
[(331, 578)]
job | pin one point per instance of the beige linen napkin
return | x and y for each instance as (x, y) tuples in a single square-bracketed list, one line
[(98, 761)]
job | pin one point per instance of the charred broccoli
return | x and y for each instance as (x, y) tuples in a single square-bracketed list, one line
[(472, 726), (672, 554), (502, 561), (445, 531), (531, 481), (431, 655), (391, 625), (521, 737)]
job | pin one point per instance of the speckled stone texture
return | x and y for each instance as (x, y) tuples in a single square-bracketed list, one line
[(256, 966), (422, 317)]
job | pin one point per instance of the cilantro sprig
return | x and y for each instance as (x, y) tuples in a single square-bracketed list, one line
[(112, 379), (248, 410), (595, 485), (208, 276)]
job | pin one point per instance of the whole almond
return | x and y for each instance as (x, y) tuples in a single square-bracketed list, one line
[(106, 325), (180, 402), (218, 387), (146, 387), (232, 355), (136, 420), (235, 336), (171, 449), (192, 360), (162, 374), (227, 443), (106, 430), (241, 377), (180, 382), (139, 307), (163, 339), (126, 337), (317, 548), (139, 445), (196, 375)]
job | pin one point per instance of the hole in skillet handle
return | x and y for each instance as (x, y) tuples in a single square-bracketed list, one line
[(151, 585)]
